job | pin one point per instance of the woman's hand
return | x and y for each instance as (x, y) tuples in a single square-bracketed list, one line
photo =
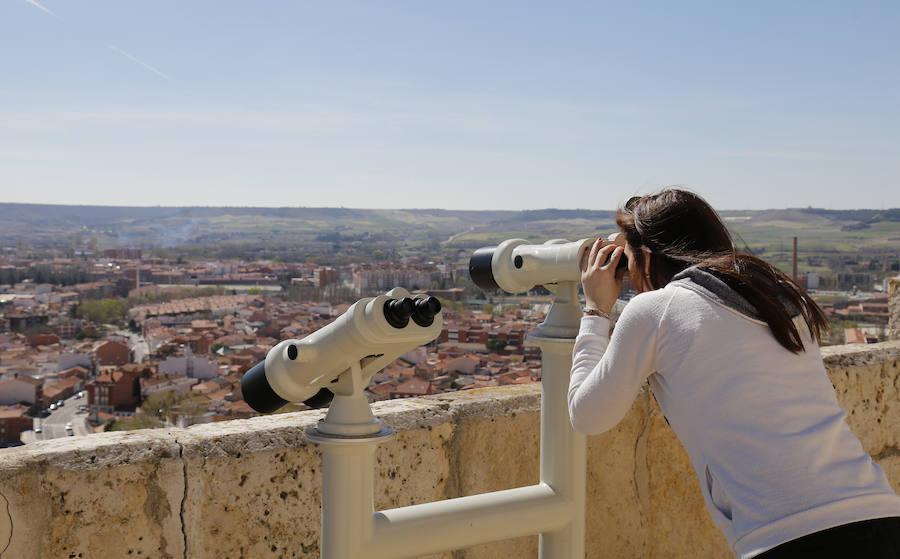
[(598, 275)]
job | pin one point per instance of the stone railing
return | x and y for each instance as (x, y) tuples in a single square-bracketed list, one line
[(251, 488)]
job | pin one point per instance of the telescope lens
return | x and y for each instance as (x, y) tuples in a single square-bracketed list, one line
[(425, 311), (398, 311), (322, 398), (258, 392), (480, 269)]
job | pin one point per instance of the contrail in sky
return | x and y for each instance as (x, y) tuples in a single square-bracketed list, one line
[(135, 59), (112, 47), (42, 8)]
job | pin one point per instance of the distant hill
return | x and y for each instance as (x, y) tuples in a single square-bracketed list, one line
[(892, 214), (296, 232)]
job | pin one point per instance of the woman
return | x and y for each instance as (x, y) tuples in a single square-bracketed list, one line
[(730, 347)]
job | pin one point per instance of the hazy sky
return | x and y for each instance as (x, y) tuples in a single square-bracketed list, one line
[(460, 105)]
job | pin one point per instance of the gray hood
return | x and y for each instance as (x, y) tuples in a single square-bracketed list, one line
[(716, 289)]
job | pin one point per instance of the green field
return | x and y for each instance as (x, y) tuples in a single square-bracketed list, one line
[(827, 239)]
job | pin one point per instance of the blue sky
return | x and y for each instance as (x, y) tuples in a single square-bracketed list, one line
[(462, 105)]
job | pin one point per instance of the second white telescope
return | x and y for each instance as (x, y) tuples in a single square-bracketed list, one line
[(516, 266)]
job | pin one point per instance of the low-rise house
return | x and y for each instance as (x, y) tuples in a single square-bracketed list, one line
[(61, 389), (77, 371), (411, 388), (110, 352), (383, 390), (205, 387), (189, 365), (21, 389), (465, 364), (69, 360), (117, 392), (200, 326), (258, 352), (199, 344), (166, 383), (43, 339), (857, 336), (14, 420), (442, 382), (239, 410)]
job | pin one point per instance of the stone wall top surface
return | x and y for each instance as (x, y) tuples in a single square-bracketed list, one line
[(258, 434), (277, 431)]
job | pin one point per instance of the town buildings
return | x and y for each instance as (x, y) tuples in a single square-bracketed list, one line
[(193, 347)]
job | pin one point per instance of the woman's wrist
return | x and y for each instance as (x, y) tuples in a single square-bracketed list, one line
[(599, 303), (594, 311)]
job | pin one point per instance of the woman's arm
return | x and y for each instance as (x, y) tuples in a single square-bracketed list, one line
[(607, 373)]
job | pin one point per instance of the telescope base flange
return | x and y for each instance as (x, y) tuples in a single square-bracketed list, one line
[(316, 436)]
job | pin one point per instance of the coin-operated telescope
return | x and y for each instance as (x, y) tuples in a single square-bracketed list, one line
[(341, 358), (516, 266)]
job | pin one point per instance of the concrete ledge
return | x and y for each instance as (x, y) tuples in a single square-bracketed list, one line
[(856, 355), (251, 488)]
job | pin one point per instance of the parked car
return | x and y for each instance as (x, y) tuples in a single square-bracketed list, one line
[(68, 426), (53, 407), (38, 429), (62, 403)]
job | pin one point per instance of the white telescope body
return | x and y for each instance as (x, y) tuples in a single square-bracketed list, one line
[(554, 508), (372, 333), (516, 266)]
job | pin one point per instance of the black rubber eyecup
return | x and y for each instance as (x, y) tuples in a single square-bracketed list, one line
[(480, 269), (426, 309), (258, 392)]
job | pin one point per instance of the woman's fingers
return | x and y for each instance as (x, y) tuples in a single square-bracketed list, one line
[(614, 259), (602, 256), (601, 286), (592, 256)]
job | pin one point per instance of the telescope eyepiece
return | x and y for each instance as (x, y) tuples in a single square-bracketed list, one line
[(425, 311), (257, 391), (398, 311), (480, 269)]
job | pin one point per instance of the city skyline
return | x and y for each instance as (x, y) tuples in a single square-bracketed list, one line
[(462, 107)]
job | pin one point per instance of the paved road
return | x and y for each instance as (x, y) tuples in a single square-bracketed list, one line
[(138, 345), (54, 425)]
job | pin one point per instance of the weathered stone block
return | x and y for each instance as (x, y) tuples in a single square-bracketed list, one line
[(118, 495)]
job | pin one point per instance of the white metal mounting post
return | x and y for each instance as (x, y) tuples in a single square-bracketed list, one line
[(554, 508)]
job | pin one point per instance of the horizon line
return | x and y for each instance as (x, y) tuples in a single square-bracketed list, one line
[(410, 208)]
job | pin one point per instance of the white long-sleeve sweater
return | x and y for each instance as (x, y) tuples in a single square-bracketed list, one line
[(763, 428)]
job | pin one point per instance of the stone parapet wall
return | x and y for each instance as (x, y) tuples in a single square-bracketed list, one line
[(251, 488)]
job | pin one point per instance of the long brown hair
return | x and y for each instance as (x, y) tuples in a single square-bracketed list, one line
[(681, 230)]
